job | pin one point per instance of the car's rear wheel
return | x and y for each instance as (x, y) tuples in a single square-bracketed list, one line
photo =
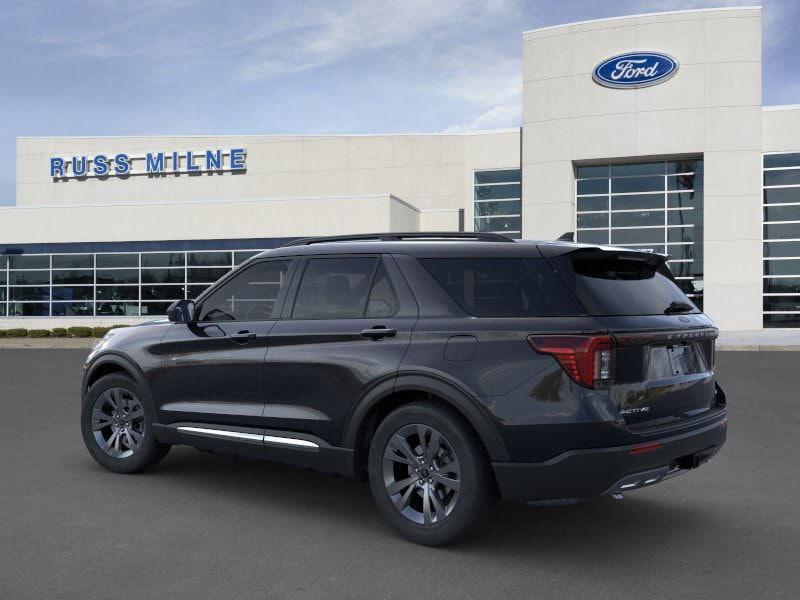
[(429, 474), (116, 421)]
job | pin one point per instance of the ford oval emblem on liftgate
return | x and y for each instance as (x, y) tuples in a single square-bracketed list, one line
[(635, 70)]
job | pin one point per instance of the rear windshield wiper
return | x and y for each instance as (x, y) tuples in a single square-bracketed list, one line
[(676, 307)]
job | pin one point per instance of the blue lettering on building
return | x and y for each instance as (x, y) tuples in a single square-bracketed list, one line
[(151, 163)]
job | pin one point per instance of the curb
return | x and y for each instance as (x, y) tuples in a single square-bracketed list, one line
[(51, 343), (757, 348)]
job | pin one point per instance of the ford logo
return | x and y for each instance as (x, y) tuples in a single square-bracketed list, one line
[(635, 70)]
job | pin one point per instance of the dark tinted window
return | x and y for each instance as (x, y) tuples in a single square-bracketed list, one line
[(334, 288), (607, 285), (249, 295), (382, 299), (490, 287)]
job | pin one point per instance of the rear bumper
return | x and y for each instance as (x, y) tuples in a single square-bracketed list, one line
[(580, 474)]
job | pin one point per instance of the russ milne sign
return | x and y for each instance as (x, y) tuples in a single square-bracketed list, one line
[(151, 163), (635, 70)]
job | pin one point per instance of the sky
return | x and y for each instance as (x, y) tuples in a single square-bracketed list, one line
[(172, 67)]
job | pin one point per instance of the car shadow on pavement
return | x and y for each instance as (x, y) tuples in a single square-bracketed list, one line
[(588, 529)]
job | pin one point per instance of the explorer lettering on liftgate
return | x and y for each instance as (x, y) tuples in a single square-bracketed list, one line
[(122, 164)]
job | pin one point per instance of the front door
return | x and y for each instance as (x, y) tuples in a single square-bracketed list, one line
[(214, 369), (345, 330)]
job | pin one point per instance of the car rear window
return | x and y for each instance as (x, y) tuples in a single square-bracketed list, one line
[(610, 285), (503, 287)]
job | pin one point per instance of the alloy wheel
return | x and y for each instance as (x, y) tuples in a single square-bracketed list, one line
[(118, 422), (422, 474)]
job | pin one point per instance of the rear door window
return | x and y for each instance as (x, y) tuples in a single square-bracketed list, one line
[(502, 287), (344, 288)]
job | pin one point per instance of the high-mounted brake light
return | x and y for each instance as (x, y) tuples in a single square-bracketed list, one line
[(587, 359)]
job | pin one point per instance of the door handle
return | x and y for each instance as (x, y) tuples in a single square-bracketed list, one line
[(243, 337), (378, 333)]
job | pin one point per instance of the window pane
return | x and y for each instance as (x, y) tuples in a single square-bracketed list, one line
[(29, 293), (681, 251), (73, 277), (593, 237), (782, 195), (28, 309), (499, 224), (210, 259), (650, 168), (593, 203), (685, 199), (780, 249), (73, 309), (163, 259), (507, 207), (118, 309), (117, 260), (206, 275), (782, 285), (782, 267), (490, 287), (163, 275), (117, 292), (334, 288), (593, 220), (680, 269), (592, 186), (782, 160), (782, 303), (73, 293), (195, 290), (680, 234), (684, 182), (782, 231), (586, 171), (775, 321), (2, 294), (162, 292), (118, 276), (684, 166), (154, 308), (2, 278), (382, 299), (637, 184), (249, 295), (3, 309), (789, 177), (782, 213), (73, 261), (638, 201), (27, 261), (493, 192), (240, 257), (637, 236), (684, 217), (637, 219), (29, 277), (506, 175)]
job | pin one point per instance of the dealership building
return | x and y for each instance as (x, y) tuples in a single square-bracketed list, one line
[(643, 131)]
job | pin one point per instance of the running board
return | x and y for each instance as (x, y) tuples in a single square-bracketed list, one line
[(299, 449)]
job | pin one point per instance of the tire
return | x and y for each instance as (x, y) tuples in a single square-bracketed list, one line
[(459, 462), (121, 441)]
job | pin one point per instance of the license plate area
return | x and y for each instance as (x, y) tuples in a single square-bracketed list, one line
[(675, 361)]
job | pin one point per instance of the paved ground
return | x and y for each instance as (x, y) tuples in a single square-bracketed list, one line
[(200, 526)]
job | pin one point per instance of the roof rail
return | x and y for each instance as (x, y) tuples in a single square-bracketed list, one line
[(399, 237)]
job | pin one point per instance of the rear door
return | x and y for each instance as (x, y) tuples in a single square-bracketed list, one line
[(664, 357), (344, 329)]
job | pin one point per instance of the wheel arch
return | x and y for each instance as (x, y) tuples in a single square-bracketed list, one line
[(405, 389), (106, 364)]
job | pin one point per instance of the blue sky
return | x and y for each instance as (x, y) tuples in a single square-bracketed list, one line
[(152, 67)]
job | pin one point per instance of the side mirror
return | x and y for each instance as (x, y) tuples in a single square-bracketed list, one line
[(181, 311)]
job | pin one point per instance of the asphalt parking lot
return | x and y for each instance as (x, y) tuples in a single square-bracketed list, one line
[(202, 526)]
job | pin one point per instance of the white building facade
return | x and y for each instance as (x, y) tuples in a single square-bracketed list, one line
[(683, 160)]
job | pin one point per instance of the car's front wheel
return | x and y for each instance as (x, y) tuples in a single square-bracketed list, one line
[(116, 425), (429, 474)]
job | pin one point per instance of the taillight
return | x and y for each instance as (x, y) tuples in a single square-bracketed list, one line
[(587, 359)]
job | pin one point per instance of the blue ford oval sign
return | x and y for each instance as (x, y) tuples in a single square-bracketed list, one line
[(635, 70)]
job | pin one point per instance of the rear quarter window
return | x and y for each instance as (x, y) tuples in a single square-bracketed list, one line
[(503, 287)]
